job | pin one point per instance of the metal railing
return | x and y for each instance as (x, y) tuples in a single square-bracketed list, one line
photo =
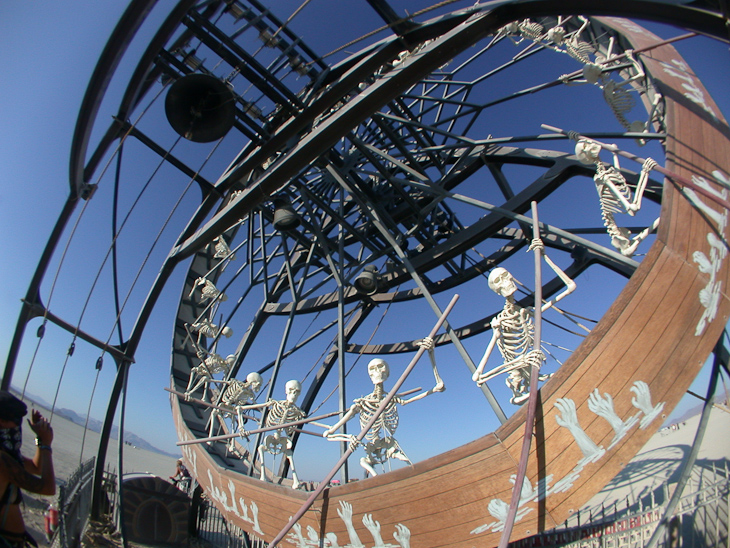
[(212, 527), (74, 505), (702, 518)]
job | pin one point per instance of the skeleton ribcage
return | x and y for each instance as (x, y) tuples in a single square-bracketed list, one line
[(216, 364), (387, 421), (620, 101), (282, 412), (608, 200), (579, 50), (237, 393), (517, 338)]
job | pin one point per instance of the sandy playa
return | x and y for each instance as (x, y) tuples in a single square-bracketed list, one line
[(67, 443), (636, 478)]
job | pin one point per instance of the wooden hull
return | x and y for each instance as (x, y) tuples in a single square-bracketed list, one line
[(656, 336)]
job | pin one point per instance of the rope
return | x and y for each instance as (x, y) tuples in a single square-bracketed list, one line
[(386, 27), (354, 363)]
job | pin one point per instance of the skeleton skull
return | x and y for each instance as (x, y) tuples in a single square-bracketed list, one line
[(378, 370), (556, 35), (255, 381), (587, 151), (501, 282), (293, 389)]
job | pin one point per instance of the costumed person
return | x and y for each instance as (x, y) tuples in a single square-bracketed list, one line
[(18, 472), (181, 479)]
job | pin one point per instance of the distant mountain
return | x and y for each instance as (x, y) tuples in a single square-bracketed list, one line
[(95, 424)]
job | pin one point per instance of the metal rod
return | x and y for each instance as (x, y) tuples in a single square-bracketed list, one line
[(532, 402), (383, 404)]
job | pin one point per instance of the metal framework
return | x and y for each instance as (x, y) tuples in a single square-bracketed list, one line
[(384, 158)]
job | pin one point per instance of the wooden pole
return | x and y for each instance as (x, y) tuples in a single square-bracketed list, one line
[(383, 404), (532, 402), (258, 430)]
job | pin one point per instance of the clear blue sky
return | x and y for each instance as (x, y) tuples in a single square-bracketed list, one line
[(50, 51)]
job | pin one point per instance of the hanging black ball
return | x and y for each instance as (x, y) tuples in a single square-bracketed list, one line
[(200, 107)]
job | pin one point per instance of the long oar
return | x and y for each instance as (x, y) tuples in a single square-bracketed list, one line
[(257, 430), (383, 404), (265, 428), (532, 402)]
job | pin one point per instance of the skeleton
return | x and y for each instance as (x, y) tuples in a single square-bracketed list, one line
[(223, 252), (206, 328), (280, 412), (380, 444), (202, 374), (513, 332), (525, 29), (209, 292), (614, 195), (616, 93), (236, 395)]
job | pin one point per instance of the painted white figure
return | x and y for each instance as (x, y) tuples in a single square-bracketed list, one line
[(202, 374), (279, 441), (345, 513), (603, 407), (615, 196), (568, 418), (642, 401), (513, 332), (206, 328), (380, 443), (718, 248), (236, 395)]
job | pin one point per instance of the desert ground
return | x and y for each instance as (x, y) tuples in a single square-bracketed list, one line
[(69, 438), (668, 447)]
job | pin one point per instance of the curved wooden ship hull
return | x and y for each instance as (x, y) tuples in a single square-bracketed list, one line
[(655, 337)]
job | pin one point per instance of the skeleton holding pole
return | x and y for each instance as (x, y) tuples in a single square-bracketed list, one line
[(614, 194), (280, 412), (380, 443), (236, 396), (202, 374), (513, 332)]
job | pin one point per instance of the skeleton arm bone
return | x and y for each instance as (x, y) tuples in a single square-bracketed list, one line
[(569, 284), (428, 344), (330, 432), (496, 333)]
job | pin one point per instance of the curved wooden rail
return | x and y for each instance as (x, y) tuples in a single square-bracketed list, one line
[(656, 335)]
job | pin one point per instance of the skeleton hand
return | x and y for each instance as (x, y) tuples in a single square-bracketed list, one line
[(374, 528), (642, 400), (402, 535), (648, 165), (569, 416), (601, 406), (345, 512), (426, 344), (537, 244)]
